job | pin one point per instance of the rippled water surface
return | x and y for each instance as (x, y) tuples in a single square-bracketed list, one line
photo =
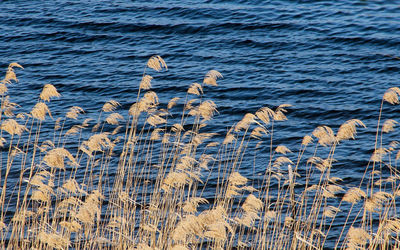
[(332, 60)]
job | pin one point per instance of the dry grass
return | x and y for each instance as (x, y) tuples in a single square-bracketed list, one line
[(148, 180)]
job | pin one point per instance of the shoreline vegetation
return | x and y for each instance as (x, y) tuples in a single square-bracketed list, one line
[(141, 185)]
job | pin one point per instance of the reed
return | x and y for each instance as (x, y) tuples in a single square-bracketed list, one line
[(147, 179)]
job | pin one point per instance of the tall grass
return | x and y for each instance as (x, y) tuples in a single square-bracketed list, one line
[(143, 178)]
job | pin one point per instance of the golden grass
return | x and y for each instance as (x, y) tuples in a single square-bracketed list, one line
[(143, 179)]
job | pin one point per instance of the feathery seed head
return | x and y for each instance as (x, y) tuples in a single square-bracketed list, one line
[(306, 140), (48, 92), (211, 77), (157, 63), (392, 95), (258, 132), (207, 109), (114, 118), (282, 149), (3, 89), (237, 179), (195, 89), (357, 238), (279, 112), (172, 102), (191, 205), (155, 120), (146, 82), (12, 127), (354, 195), (10, 74), (110, 106), (245, 122), (55, 158), (265, 114), (348, 129), (388, 125), (39, 111), (325, 135), (378, 154), (331, 211), (74, 112)]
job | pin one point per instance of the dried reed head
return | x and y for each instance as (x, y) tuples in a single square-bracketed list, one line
[(388, 125), (110, 106), (354, 195), (48, 92), (258, 132), (357, 238), (54, 240), (270, 215), (195, 89), (157, 63), (114, 118), (207, 109), (12, 127), (155, 120), (280, 161), (237, 179), (216, 231), (330, 191), (155, 135), (378, 154), (331, 211), (325, 135), (265, 114), (10, 74), (392, 95), (40, 110), (172, 102), (55, 158), (97, 142), (90, 208), (146, 82), (40, 196), (190, 225), (74, 112), (3, 89), (8, 107), (71, 186), (175, 180), (74, 130), (375, 203), (201, 137), (348, 129), (211, 77), (252, 204), (177, 128), (191, 205), (279, 114), (150, 99), (282, 149), (245, 122), (234, 181), (393, 225)]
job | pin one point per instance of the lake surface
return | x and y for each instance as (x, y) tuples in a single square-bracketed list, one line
[(331, 60)]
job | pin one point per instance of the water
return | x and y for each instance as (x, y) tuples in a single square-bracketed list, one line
[(332, 60)]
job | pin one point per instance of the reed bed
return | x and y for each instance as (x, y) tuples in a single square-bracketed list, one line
[(142, 178)]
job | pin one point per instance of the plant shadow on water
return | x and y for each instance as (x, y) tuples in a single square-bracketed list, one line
[(152, 179)]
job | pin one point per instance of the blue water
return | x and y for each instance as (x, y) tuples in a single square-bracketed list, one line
[(332, 60)]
